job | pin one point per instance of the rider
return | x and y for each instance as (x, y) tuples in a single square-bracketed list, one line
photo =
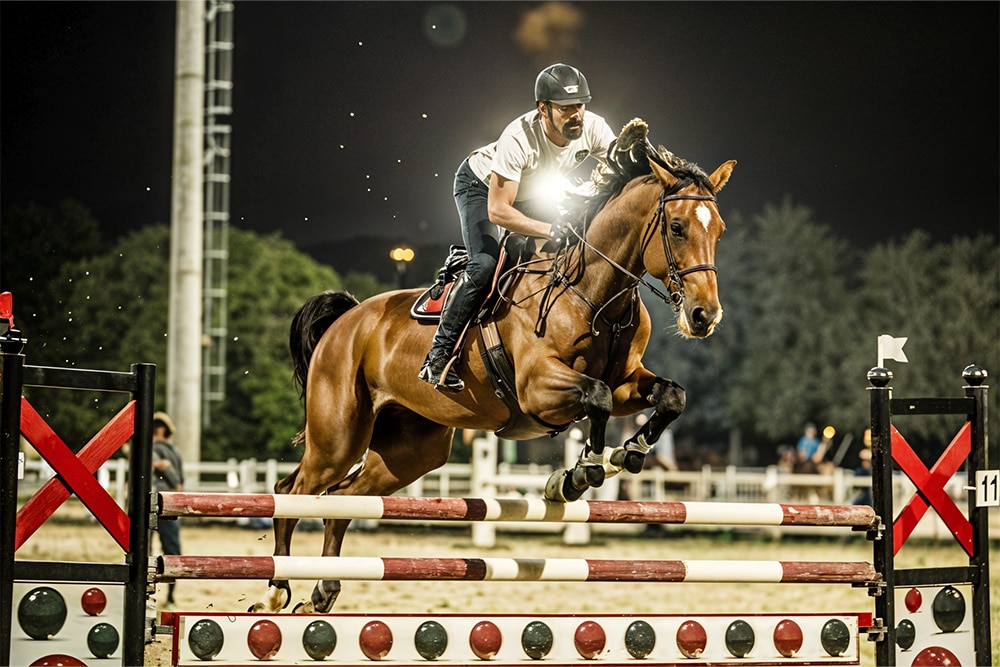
[(504, 184)]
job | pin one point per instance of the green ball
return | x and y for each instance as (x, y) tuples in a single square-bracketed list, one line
[(205, 639), (640, 639), (42, 612), (906, 634), (430, 640), (835, 637), (102, 640), (948, 609), (740, 638), (319, 639), (536, 640)]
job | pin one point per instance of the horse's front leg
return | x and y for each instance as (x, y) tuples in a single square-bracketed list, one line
[(595, 400), (668, 401)]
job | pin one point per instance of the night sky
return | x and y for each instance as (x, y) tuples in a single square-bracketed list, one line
[(351, 118)]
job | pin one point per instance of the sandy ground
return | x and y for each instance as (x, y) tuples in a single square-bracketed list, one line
[(77, 539)]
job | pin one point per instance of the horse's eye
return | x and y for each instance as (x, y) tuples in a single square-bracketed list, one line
[(676, 228)]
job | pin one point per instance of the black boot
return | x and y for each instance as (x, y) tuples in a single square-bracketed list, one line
[(465, 298)]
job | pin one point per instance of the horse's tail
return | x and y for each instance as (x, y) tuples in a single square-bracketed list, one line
[(308, 326)]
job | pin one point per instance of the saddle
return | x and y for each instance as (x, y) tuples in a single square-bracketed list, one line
[(515, 249)]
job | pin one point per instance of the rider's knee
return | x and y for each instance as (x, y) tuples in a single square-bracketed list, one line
[(480, 270)]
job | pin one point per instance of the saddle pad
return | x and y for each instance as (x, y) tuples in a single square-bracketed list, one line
[(427, 309)]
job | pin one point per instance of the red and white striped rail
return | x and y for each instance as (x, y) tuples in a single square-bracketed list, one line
[(511, 569), (513, 509)]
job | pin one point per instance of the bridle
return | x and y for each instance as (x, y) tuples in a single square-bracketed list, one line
[(675, 275)]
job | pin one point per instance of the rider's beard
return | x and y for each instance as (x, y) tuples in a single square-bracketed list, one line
[(572, 130)]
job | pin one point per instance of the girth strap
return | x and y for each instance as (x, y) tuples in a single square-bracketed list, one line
[(501, 373)]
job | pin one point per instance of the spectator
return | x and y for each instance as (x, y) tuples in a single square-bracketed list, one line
[(808, 450), (168, 475), (864, 469)]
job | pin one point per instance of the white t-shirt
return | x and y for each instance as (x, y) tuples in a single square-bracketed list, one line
[(524, 154)]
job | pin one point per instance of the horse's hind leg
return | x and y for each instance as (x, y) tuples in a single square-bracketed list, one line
[(404, 447), (335, 440)]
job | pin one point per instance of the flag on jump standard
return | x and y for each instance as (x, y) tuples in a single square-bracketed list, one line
[(891, 348)]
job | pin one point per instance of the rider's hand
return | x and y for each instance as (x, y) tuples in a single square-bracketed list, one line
[(567, 231)]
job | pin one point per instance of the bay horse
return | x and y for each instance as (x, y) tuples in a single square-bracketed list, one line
[(573, 327)]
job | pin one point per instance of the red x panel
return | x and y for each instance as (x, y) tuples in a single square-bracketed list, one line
[(76, 473), (930, 488)]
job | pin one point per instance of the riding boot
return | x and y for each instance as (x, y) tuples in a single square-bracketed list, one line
[(465, 298)]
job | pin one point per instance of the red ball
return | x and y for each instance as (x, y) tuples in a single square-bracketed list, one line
[(913, 599), (93, 601), (691, 639), (485, 640), (375, 640), (264, 639), (935, 656), (589, 639), (787, 637), (58, 660)]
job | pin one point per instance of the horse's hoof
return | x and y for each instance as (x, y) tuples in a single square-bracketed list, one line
[(633, 461), (594, 475), (303, 608), (559, 487), (571, 493)]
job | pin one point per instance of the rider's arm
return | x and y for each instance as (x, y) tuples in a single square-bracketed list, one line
[(502, 212)]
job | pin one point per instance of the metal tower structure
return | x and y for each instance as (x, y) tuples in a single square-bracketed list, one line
[(218, 134)]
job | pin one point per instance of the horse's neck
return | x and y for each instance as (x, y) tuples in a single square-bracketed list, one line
[(614, 261)]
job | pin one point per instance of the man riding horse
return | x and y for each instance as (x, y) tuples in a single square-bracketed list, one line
[(504, 185)]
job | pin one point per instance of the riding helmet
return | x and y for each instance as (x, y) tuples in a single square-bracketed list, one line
[(563, 84)]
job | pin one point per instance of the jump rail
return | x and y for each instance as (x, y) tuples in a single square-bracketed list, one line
[(512, 569), (514, 509)]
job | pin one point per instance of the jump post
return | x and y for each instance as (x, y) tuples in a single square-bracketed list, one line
[(75, 476)]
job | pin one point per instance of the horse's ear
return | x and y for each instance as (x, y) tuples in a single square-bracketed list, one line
[(668, 179), (721, 175)]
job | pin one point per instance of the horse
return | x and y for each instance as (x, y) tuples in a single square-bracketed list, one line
[(572, 324)]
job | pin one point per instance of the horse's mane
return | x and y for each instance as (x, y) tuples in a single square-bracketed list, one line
[(626, 161)]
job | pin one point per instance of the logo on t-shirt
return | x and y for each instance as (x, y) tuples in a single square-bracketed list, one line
[(581, 155)]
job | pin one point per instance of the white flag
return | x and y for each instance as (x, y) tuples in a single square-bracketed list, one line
[(891, 348)]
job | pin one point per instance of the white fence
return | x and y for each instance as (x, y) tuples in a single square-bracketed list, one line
[(486, 477)]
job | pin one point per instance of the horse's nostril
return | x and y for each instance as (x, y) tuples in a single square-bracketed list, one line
[(698, 315)]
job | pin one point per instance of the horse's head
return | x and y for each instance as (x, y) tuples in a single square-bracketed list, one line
[(688, 224)]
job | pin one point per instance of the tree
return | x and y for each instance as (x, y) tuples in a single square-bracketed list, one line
[(944, 299), (269, 280), (785, 377), (35, 243), (115, 307)]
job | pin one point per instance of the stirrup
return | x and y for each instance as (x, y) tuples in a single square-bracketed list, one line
[(442, 375)]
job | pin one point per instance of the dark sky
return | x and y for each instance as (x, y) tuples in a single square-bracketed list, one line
[(351, 118)]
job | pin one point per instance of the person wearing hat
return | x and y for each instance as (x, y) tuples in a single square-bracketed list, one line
[(505, 184), (168, 475)]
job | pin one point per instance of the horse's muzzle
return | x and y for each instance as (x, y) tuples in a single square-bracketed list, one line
[(699, 321)]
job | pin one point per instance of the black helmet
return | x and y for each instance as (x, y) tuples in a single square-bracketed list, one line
[(563, 84)]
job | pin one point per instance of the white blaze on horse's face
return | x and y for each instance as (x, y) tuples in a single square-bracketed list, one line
[(704, 215)]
